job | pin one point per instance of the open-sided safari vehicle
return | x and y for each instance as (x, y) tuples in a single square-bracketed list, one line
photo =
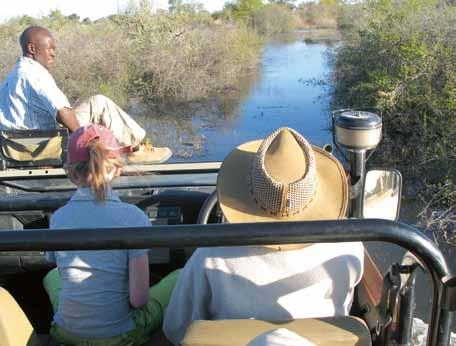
[(180, 200)]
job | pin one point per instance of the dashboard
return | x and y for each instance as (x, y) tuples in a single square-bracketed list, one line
[(164, 206)]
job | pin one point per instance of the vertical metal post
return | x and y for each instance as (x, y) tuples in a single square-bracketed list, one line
[(357, 161), (447, 309), (406, 309)]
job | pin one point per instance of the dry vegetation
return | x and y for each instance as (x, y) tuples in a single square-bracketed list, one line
[(161, 58), (400, 56)]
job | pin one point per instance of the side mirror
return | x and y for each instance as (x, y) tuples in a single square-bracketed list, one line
[(382, 194)]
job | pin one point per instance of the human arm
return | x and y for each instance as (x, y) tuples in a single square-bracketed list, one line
[(189, 301), (50, 255), (138, 280), (138, 263), (67, 117)]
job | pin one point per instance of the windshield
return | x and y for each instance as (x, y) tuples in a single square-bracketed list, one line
[(278, 92)]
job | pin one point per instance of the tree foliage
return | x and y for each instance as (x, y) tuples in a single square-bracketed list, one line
[(180, 6), (401, 57), (274, 18), (283, 2), (245, 9)]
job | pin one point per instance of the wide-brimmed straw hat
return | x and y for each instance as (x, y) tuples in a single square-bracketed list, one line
[(281, 178)]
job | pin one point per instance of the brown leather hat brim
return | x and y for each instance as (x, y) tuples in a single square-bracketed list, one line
[(330, 200)]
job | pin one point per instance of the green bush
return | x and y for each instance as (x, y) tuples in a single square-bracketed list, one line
[(323, 14), (274, 18), (189, 56), (400, 56)]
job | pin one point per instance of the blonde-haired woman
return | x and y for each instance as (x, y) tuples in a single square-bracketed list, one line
[(101, 297)]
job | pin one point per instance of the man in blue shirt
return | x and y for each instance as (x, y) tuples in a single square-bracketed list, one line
[(30, 99)]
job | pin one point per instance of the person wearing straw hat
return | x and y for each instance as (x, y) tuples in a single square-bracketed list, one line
[(280, 178)]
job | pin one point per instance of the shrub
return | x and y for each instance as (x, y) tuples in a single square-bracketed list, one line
[(189, 57), (323, 14), (402, 59), (272, 19)]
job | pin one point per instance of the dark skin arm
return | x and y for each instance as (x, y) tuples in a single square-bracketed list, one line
[(67, 117)]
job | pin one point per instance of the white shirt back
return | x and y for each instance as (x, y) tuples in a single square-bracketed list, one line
[(264, 283), (30, 98)]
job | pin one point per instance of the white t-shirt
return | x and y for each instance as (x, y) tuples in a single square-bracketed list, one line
[(264, 283), (29, 98)]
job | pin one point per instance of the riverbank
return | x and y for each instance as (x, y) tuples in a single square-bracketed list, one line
[(159, 58), (399, 57), (272, 95)]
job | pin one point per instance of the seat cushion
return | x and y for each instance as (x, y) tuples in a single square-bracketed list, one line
[(15, 328), (329, 331)]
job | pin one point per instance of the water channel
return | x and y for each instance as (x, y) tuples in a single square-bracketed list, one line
[(276, 95)]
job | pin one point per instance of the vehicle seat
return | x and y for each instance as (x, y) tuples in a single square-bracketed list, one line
[(15, 328), (328, 331), (32, 148)]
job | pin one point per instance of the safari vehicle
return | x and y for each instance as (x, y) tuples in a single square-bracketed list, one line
[(180, 199)]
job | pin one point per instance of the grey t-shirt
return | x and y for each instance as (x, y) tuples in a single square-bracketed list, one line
[(264, 283), (94, 300)]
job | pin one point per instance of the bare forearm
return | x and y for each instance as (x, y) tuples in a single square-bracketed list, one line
[(139, 281), (67, 117)]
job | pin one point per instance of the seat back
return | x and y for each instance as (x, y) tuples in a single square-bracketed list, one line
[(15, 328), (327, 331), (32, 148)]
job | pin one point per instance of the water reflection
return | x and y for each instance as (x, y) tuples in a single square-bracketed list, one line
[(271, 97)]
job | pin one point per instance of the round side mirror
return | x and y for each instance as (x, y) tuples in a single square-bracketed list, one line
[(382, 194)]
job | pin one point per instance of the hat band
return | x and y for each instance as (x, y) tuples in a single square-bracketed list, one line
[(286, 201), (278, 199)]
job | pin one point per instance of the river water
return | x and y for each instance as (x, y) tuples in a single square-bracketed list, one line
[(277, 94)]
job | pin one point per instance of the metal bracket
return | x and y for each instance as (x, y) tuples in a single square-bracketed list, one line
[(449, 293)]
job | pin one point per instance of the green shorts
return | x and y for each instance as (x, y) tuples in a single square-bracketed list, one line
[(147, 319)]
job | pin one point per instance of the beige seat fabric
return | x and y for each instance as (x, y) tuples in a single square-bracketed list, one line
[(341, 331), (32, 149), (15, 328)]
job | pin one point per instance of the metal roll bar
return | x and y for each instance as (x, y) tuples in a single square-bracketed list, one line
[(259, 234)]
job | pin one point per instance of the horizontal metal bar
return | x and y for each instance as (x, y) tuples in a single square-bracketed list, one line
[(252, 234), (228, 235), (197, 167), (49, 202), (120, 183)]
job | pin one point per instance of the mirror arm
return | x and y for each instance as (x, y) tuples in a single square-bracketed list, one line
[(357, 175), (370, 154)]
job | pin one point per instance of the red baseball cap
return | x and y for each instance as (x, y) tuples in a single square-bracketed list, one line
[(78, 142)]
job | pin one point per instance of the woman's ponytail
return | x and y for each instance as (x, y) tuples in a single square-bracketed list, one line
[(97, 171)]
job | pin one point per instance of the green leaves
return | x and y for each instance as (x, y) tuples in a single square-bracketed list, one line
[(401, 56)]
